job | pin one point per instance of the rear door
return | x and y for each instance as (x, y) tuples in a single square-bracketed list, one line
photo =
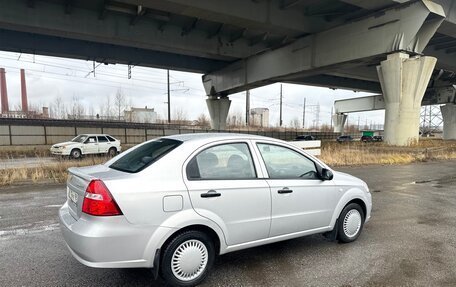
[(300, 200), (103, 144), (223, 184)]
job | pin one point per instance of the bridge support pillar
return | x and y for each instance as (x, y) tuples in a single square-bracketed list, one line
[(218, 107), (404, 81), (449, 121), (339, 122)]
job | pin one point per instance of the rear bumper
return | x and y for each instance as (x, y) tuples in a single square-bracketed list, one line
[(108, 242), (368, 207)]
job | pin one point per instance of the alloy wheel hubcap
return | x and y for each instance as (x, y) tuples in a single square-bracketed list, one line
[(352, 223), (189, 260)]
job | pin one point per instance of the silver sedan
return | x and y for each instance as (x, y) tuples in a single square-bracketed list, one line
[(174, 203)]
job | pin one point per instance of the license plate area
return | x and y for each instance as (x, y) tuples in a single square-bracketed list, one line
[(73, 196)]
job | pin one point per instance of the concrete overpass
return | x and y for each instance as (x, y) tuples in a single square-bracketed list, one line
[(380, 46)]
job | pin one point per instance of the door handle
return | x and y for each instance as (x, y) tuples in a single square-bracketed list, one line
[(211, 193), (285, 190)]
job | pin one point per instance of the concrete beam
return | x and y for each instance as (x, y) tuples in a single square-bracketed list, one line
[(447, 61), (104, 53), (374, 4), (433, 96), (84, 24), (405, 28), (336, 82), (253, 15)]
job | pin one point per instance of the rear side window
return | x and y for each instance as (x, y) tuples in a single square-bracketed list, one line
[(111, 139), (226, 161), (145, 155), (102, 139)]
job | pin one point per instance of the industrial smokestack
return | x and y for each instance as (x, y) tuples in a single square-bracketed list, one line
[(24, 92), (3, 91)]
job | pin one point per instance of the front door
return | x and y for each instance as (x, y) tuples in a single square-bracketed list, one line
[(300, 200), (223, 185), (90, 145)]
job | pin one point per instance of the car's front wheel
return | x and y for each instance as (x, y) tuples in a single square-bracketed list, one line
[(351, 222), (187, 259), (75, 153)]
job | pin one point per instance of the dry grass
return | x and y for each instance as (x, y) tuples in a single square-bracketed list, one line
[(23, 151), (52, 172), (358, 153)]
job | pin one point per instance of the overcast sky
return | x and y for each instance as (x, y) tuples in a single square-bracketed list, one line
[(49, 78)]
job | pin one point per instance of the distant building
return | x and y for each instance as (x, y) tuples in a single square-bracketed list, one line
[(29, 114), (259, 117), (140, 115)]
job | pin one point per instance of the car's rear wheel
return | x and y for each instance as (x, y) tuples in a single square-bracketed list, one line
[(75, 153), (112, 152), (187, 258), (351, 222)]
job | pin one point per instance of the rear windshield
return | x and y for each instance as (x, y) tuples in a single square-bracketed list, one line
[(145, 155)]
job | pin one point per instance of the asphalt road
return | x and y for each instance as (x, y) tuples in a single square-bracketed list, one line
[(6, 163), (410, 241)]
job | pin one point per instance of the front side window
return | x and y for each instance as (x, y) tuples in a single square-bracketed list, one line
[(285, 163), (144, 155), (91, 140), (226, 161)]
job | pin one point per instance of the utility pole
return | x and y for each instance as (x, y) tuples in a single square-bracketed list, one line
[(169, 102), (280, 121), (247, 107), (304, 114)]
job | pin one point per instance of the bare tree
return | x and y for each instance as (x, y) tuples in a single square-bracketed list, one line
[(106, 108), (120, 104), (325, 128), (295, 123), (203, 120), (180, 116), (77, 108), (235, 119), (91, 112)]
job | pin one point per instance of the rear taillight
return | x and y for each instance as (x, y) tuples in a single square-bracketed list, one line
[(98, 200)]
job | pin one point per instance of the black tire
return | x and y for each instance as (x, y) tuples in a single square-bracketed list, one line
[(166, 270), (75, 153), (344, 235), (112, 152)]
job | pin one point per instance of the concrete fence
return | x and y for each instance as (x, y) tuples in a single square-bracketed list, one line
[(19, 132)]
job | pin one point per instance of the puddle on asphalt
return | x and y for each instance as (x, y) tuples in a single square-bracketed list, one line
[(17, 231)]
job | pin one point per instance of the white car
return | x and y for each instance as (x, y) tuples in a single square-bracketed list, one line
[(88, 144), (174, 203)]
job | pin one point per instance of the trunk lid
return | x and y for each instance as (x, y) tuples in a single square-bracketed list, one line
[(78, 180)]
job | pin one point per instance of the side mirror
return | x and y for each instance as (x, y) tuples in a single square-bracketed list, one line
[(326, 174)]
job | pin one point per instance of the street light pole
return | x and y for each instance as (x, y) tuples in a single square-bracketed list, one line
[(169, 101), (280, 121)]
